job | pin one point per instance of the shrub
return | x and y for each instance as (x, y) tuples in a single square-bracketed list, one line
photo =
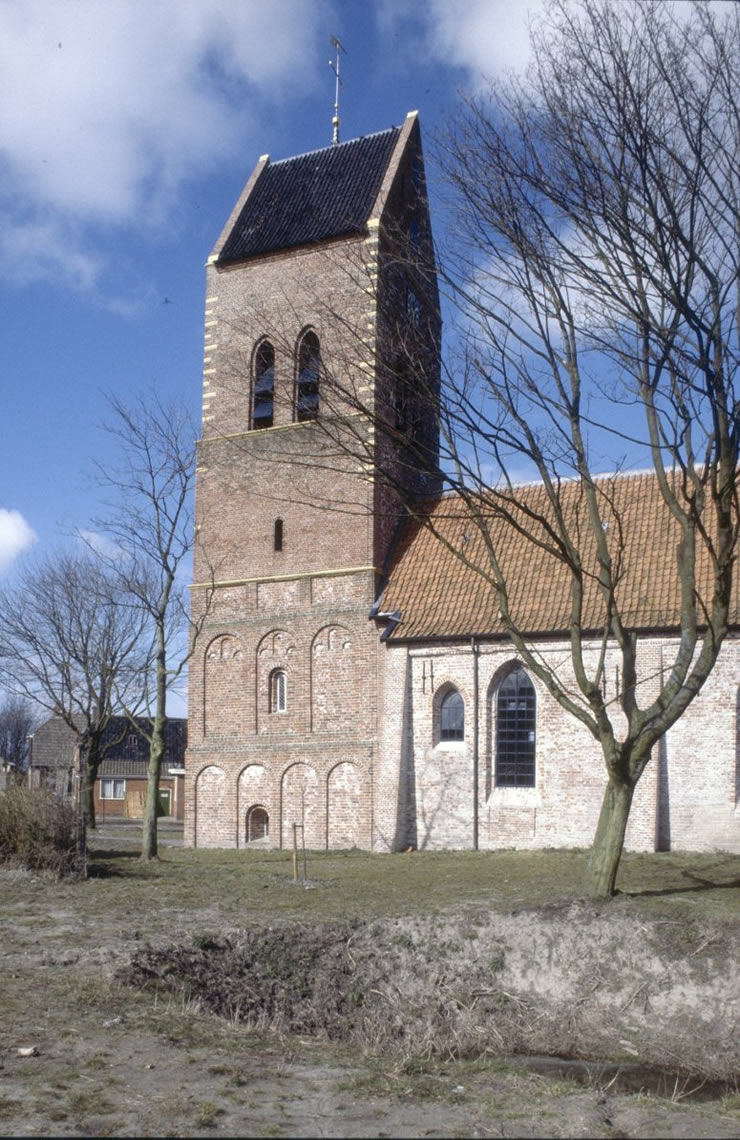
[(38, 831)]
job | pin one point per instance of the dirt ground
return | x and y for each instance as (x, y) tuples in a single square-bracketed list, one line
[(124, 1012)]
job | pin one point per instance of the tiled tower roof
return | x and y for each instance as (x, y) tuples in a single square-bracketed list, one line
[(324, 194)]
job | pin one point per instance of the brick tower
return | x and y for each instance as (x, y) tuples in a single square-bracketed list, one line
[(320, 383)]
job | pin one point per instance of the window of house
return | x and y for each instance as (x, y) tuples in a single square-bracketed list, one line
[(515, 731), (112, 789), (277, 535), (264, 386), (452, 716), (278, 691), (258, 824), (307, 380)]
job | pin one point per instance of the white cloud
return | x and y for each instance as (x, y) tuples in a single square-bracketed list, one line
[(102, 545), (109, 106), (15, 536), (486, 37), (483, 37)]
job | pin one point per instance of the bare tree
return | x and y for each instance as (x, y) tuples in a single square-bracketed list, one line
[(151, 525), (71, 644), (597, 274), (18, 716), (595, 268)]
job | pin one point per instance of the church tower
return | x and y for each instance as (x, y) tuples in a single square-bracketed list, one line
[(320, 388)]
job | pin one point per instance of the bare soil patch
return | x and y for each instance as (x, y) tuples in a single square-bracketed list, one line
[(399, 996)]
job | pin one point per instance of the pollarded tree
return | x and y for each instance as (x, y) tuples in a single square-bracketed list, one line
[(72, 644), (597, 274)]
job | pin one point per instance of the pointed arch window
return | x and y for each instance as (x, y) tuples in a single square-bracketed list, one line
[(452, 717), (516, 709), (264, 386), (278, 691), (307, 380)]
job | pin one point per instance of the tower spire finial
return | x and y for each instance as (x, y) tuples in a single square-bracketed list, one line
[(334, 65)]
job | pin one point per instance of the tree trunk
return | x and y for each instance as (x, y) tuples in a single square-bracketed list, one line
[(603, 860), (149, 824), (88, 792)]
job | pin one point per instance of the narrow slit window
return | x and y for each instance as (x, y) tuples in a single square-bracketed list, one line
[(278, 691), (264, 386), (307, 383), (277, 537)]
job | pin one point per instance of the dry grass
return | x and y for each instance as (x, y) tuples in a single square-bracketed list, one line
[(434, 934), (355, 885)]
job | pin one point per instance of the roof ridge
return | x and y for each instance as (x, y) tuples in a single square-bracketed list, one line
[(332, 147)]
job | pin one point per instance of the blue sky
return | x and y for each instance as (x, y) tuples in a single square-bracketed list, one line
[(127, 130)]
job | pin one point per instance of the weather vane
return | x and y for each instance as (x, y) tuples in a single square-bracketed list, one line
[(334, 65)]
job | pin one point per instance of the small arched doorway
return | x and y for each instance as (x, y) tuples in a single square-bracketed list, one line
[(257, 824)]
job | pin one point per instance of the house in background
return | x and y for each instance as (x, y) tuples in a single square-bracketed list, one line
[(53, 757), (120, 786)]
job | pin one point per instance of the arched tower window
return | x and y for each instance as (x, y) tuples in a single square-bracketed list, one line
[(516, 709), (277, 535), (278, 691), (307, 379), (264, 386), (452, 716)]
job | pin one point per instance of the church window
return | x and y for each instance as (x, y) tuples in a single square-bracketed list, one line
[(277, 537), (264, 386), (413, 307), (516, 708), (278, 691), (307, 380), (452, 716), (257, 824), (414, 233)]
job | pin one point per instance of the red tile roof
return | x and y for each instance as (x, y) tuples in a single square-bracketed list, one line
[(440, 572)]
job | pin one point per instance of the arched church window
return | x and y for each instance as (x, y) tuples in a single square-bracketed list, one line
[(264, 386), (516, 709), (307, 380), (278, 691), (257, 824), (452, 716)]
